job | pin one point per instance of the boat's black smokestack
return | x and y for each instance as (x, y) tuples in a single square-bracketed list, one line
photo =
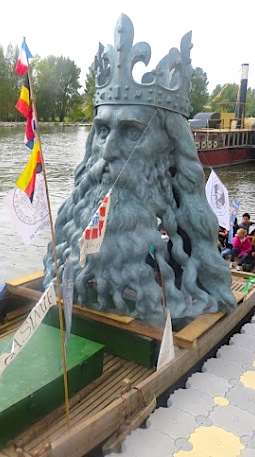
[(241, 96)]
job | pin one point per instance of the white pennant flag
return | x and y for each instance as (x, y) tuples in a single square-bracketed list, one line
[(67, 293), (166, 352), (93, 235), (29, 219), (217, 197), (29, 326)]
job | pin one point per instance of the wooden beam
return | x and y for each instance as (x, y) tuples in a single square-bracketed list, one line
[(187, 337), (25, 292), (92, 313), (243, 274), (25, 279), (133, 326)]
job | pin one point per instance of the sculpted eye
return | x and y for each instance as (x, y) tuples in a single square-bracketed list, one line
[(133, 134), (102, 132)]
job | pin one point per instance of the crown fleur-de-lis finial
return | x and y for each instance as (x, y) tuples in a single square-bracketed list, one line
[(167, 86)]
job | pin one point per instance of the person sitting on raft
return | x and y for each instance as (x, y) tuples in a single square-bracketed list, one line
[(242, 248), (246, 223), (250, 262)]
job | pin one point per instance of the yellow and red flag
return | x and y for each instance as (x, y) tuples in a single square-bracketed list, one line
[(24, 102), (26, 181)]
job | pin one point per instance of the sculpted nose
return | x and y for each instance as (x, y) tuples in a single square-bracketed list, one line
[(110, 149)]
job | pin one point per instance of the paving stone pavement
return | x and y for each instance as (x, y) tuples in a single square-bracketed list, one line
[(213, 416)]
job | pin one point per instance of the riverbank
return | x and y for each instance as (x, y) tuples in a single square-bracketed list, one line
[(54, 124)]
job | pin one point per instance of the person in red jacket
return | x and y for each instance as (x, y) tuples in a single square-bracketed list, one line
[(242, 248), (250, 262)]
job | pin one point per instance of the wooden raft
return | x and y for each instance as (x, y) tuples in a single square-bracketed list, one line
[(102, 407), (185, 338)]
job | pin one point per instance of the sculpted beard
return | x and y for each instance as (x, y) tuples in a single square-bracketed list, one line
[(131, 230)]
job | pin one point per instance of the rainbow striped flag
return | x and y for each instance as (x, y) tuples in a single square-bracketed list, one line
[(26, 181)]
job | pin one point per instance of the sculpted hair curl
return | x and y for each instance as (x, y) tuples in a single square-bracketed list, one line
[(196, 278)]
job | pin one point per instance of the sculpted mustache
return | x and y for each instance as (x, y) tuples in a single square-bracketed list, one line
[(102, 167), (95, 173)]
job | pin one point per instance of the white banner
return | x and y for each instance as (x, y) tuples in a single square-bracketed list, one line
[(29, 219), (166, 352), (29, 326), (217, 197)]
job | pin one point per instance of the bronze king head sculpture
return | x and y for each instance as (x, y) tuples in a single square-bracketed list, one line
[(140, 147)]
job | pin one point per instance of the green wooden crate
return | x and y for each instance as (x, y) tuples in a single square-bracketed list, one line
[(137, 348), (33, 384)]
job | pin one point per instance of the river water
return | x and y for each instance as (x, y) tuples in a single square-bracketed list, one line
[(63, 148)]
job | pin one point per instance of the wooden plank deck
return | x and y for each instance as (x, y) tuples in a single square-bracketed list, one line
[(91, 400), (101, 407)]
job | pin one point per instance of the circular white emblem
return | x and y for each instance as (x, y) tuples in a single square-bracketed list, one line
[(35, 212), (218, 199)]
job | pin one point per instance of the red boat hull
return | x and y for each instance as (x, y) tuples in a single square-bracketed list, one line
[(226, 156)]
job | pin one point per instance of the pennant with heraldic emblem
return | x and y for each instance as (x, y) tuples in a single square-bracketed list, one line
[(93, 235)]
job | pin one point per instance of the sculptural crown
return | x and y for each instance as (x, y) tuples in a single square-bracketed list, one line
[(167, 86)]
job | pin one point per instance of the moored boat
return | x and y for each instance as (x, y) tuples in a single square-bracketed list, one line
[(224, 147), (224, 139)]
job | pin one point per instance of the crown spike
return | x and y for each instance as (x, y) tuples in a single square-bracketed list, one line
[(167, 86)]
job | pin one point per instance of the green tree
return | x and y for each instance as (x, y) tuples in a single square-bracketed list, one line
[(57, 90), (76, 111), (89, 94), (250, 103), (223, 98), (46, 90), (9, 84), (57, 85), (4, 85), (199, 93), (68, 75)]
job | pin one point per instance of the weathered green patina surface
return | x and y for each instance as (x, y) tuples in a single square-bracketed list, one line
[(141, 147)]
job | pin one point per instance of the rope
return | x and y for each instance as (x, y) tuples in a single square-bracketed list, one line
[(124, 409), (136, 146), (140, 393)]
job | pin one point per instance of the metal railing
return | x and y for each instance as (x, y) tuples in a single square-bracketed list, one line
[(219, 139)]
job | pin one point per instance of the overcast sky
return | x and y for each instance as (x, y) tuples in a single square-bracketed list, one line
[(223, 32)]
